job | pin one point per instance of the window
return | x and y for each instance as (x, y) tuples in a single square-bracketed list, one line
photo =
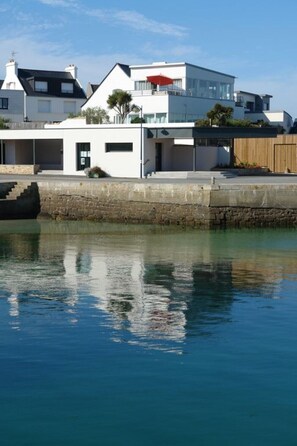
[(41, 86), (143, 85), (192, 86), (212, 89), (177, 83), (4, 103), (83, 151), (69, 107), (225, 91), (67, 87), (149, 118), (161, 117), (119, 147), (44, 106), (203, 90)]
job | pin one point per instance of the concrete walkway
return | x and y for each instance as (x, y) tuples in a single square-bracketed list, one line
[(276, 179)]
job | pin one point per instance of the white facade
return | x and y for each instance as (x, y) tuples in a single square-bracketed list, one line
[(257, 108), (275, 118), (27, 101), (123, 151), (12, 105), (193, 92)]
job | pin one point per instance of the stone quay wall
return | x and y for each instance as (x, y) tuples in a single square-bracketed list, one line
[(187, 204), (19, 169)]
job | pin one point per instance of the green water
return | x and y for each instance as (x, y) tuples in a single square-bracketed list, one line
[(138, 335)]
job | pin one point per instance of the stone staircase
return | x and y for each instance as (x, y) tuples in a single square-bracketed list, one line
[(19, 200), (20, 189)]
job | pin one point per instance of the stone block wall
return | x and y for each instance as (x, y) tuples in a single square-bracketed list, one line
[(125, 202), (180, 204), (20, 169)]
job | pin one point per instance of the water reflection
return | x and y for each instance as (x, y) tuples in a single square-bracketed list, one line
[(156, 287)]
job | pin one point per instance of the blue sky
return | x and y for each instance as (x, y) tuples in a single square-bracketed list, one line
[(254, 41)]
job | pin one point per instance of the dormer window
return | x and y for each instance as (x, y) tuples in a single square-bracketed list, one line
[(41, 86), (67, 87)]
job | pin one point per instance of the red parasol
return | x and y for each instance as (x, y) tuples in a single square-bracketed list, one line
[(159, 79)]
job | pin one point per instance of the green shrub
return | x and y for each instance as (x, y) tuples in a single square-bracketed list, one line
[(95, 172)]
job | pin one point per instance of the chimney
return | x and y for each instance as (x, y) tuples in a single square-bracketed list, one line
[(72, 69), (11, 69)]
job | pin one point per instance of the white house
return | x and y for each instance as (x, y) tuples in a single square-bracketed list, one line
[(257, 108), (167, 92), (39, 95), (11, 104)]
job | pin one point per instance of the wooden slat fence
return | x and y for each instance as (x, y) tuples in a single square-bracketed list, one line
[(278, 154)]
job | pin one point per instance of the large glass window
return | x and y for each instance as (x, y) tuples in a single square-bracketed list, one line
[(44, 106), (4, 103), (212, 89), (119, 147), (149, 118), (67, 87), (83, 152), (177, 83), (41, 86), (203, 89), (225, 91), (143, 85), (160, 117), (192, 86)]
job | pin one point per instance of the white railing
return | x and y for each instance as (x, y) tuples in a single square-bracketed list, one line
[(137, 93)]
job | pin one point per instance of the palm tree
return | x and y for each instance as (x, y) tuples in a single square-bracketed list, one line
[(120, 101)]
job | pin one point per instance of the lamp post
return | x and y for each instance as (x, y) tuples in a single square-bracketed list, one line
[(141, 143), (138, 109)]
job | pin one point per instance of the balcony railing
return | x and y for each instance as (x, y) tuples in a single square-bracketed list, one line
[(137, 93)]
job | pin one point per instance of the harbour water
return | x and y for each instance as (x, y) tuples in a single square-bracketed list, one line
[(138, 335)]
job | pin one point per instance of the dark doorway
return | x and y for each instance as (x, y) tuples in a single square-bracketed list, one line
[(158, 160), (83, 150), (2, 154)]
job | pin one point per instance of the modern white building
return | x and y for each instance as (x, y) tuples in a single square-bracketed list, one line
[(122, 150), (167, 92), (40, 95), (256, 107)]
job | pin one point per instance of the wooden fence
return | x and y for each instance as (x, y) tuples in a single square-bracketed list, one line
[(278, 154)]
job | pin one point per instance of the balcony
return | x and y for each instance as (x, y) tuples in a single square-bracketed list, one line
[(163, 92)]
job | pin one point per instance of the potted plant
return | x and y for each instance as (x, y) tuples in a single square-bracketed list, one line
[(95, 172)]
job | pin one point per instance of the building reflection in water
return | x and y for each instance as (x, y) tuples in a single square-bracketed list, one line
[(156, 289)]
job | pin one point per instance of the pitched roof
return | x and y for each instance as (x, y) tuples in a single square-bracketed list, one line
[(126, 70), (91, 88), (54, 79)]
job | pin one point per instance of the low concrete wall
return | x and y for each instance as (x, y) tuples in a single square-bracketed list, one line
[(20, 169), (179, 204)]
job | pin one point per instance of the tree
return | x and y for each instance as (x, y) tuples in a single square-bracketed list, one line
[(137, 120), (94, 115), (120, 101), (219, 115), (3, 123)]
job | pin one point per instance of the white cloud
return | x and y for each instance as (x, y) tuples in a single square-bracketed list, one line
[(49, 56), (138, 21), (131, 19), (64, 3)]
